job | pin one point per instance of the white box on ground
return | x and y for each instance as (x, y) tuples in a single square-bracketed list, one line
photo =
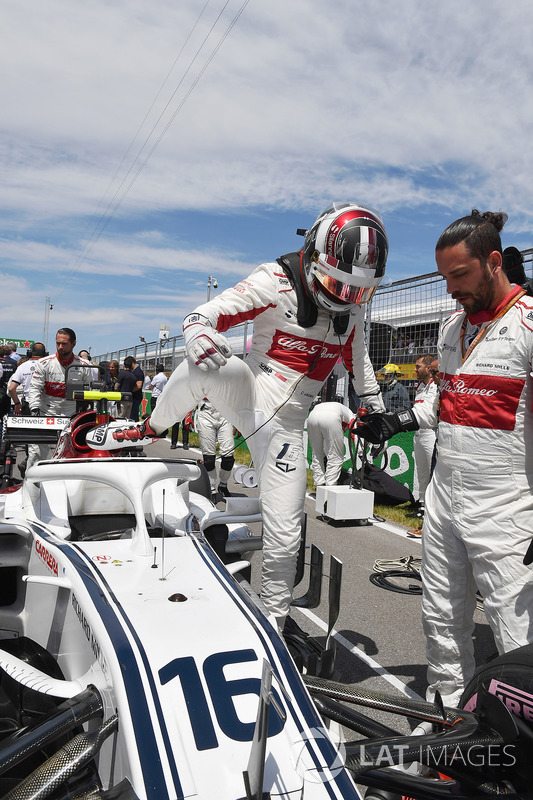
[(344, 502)]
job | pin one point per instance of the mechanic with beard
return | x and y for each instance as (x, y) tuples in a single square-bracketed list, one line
[(307, 308), (479, 504), (46, 394)]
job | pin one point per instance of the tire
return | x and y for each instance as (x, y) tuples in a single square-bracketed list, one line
[(510, 677)]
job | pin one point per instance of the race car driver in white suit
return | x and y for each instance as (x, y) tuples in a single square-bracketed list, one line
[(307, 308), (479, 504)]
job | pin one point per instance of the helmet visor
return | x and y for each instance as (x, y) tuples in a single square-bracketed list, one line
[(349, 284), (365, 257), (341, 292)]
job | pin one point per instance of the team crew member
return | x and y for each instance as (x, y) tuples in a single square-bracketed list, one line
[(424, 439), (307, 309), (212, 427), (7, 368), (326, 425), (22, 377), (157, 383), (395, 395), (479, 504), (46, 396)]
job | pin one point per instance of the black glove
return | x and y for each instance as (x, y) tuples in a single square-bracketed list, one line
[(377, 428), (35, 412)]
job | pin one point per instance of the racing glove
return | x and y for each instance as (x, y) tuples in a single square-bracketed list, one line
[(377, 428), (205, 347), (373, 403)]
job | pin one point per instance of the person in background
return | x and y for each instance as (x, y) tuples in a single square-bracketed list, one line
[(46, 394), (212, 428), (186, 425), (513, 266), (19, 385), (138, 391), (7, 369), (426, 411), (395, 395), (326, 425), (424, 438), (479, 504), (114, 369), (86, 356), (13, 352), (126, 382), (158, 383)]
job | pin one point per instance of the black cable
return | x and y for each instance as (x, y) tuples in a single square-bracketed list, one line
[(381, 579)]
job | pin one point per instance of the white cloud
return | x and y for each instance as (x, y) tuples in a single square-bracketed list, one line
[(298, 96)]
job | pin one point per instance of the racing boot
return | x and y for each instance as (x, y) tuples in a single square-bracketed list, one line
[(122, 433)]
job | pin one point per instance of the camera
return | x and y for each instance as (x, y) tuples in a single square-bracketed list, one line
[(215, 284)]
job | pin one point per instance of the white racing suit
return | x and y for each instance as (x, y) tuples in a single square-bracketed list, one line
[(212, 427), (47, 393), (325, 429), (479, 504), (424, 439), (267, 397)]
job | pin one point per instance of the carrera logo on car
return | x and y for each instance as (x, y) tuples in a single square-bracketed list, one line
[(46, 557)]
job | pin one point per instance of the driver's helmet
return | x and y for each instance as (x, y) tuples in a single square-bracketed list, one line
[(389, 374), (344, 256)]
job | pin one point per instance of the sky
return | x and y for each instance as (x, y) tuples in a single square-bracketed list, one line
[(147, 146)]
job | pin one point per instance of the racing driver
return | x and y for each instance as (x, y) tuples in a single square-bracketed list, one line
[(479, 503), (308, 309)]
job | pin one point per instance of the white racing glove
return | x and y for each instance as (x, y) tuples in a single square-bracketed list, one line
[(205, 347)]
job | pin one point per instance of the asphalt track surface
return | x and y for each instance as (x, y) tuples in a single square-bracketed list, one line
[(380, 642)]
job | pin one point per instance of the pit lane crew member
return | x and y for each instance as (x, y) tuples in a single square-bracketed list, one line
[(212, 428), (22, 377), (326, 425), (395, 395), (307, 308), (425, 438), (46, 395), (479, 504)]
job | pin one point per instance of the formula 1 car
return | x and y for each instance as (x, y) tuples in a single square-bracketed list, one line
[(137, 663)]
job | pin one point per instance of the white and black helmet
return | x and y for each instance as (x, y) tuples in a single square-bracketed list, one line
[(344, 256)]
